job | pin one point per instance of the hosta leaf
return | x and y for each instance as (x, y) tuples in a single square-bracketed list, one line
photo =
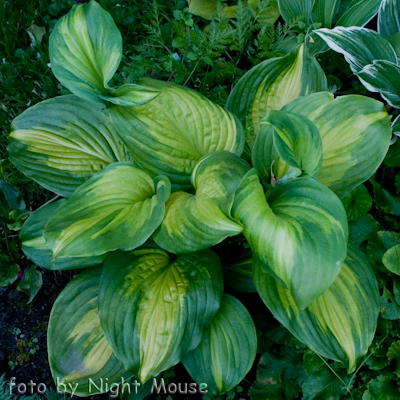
[(130, 95), (78, 348), (360, 46), (324, 11), (341, 323), (154, 309), (359, 13), (117, 208), (357, 203), (170, 134), (228, 348), (300, 232), (239, 275), (293, 146), (31, 282), (324, 384), (382, 77), (391, 259), (34, 243), (198, 221), (389, 18), (293, 10), (85, 50), (61, 142), (272, 84), (355, 132)]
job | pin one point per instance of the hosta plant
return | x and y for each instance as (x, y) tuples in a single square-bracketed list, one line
[(155, 178)]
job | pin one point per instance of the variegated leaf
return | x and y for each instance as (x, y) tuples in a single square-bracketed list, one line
[(301, 232), (198, 221), (272, 84), (61, 142), (154, 309), (389, 18), (355, 132), (170, 134), (360, 46), (341, 323), (117, 208), (34, 243), (359, 13), (227, 350), (79, 355)]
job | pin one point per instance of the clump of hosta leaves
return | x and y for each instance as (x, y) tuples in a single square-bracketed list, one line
[(156, 179)]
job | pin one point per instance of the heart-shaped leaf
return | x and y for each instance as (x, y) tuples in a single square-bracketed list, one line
[(198, 221), (341, 323), (355, 132), (154, 309), (228, 348), (61, 142), (81, 360), (34, 243), (301, 232), (117, 208), (170, 134), (272, 84)]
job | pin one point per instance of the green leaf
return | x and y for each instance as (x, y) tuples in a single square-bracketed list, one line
[(34, 243), (78, 348), (154, 309), (85, 50), (388, 307), (239, 275), (31, 282), (292, 10), (355, 132), (8, 270), (392, 158), (324, 384), (170, 134), (10, 199), (389, 18), (228, 348), (363, 229), (61, 142), (300, 232), (394, 354), (376, 363), (359, 13), (341, 323), (295, 146), (272, 84), (324, 11), (383, 387), (385, 200), (279, 375), (130, 95), (357, 203), (198, 221), (380, 243), (382, 77), (312, 362), (391, 259), (117, 208), (360, 46)]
